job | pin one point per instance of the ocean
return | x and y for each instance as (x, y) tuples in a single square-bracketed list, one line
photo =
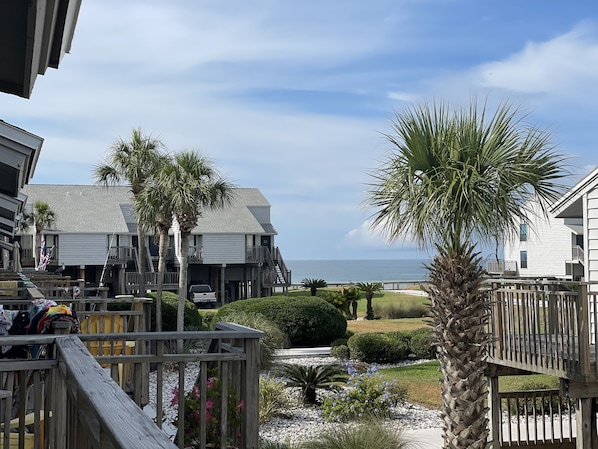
[(346, 271)]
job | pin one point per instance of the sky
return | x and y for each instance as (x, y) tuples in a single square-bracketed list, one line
[(293, 96)]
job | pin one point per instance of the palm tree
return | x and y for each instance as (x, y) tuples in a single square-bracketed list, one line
[(132, 162), (454, 178), (369, 288), (192, 184), (154, 212), (314, 285), (310, 378), (42, 218)]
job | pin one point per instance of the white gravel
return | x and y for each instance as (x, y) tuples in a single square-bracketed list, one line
[(300, 422)]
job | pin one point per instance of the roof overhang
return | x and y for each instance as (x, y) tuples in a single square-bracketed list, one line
[(34, 35), (570, 205)]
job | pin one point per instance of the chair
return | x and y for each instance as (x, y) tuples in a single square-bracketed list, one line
[(108, 323)]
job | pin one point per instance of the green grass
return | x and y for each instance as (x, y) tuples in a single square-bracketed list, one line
[(423, 382)]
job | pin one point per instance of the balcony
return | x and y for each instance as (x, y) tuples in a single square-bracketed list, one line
[(501, 267)]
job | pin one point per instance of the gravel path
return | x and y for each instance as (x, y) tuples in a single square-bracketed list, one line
[(301, 422)]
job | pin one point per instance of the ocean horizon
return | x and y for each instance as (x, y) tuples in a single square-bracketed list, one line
[(356, 270)]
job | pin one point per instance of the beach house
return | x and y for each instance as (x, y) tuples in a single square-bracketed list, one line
[(95, 239)]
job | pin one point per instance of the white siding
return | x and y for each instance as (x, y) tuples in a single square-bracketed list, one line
[(223, 248), (548, 246), (83, 249), (592, 235)]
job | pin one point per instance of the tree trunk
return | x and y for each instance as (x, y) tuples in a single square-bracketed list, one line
[(180, 324), (163, 247), (369, 314), (142, 253), (354, 306), (460, 314)]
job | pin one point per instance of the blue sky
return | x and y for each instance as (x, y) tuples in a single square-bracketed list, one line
[(291, 96)]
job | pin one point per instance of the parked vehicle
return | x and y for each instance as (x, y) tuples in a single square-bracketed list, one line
[(202, 295)]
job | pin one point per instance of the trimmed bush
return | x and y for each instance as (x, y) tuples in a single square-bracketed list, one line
[(306, 320), (373, 347), (192, 319), (420, 344), (341, 352)]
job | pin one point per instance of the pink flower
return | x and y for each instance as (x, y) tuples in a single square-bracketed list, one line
[(175, 398), (196, 391), (209, 404), (211, 381), (241, 404)]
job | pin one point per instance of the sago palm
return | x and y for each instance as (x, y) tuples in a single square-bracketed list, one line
[(309, 378), (368, 289), (314, 285), (132, 161), (453, 179)]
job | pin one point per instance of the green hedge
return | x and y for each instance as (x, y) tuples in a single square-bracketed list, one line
[(391, 347), (192, 319), (306, 320)]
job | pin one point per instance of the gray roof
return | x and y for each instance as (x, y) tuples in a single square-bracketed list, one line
[(97, 209)]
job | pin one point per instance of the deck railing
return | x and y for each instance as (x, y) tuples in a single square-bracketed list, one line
[(545, 327), (78, 406), (535, 418)]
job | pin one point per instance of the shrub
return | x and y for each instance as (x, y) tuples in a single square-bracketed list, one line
[(370, 434), (274, 398), (192, 319), (310, 378), (373, 347), (367, 394), (337, 299), (420, 344), (273, 338), (306, 320), (406, 308), (341, 352)]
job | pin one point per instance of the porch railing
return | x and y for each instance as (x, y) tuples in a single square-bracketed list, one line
[(536, 418), (171, 280), (76, 405), (546, 327)]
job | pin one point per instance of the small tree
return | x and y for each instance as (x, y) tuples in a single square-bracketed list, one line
[(352, 294), (42, 217), (314, 285), (369, 288), (310, 378)]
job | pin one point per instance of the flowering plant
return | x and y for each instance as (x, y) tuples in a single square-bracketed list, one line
[(213, 413)]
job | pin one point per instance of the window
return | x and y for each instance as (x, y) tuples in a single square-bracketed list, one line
[(523, 232), (523, 259)]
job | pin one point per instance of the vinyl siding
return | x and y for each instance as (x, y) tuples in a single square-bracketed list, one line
[(548, 246), (223, 248), (83, 249)]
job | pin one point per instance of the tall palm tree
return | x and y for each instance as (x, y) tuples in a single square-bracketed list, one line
[(368, 289), (154, 212), (131, 161), (455, 178), (192, 185), (42, 218)]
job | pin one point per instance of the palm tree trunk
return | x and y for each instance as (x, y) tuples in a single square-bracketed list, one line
[(369, 314), (182, 281), (460, 314), (141, 250), (163, 247)]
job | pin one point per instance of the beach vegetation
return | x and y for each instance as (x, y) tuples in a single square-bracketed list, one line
[(313, 285), (274, 398), (454, 179), (310, 378), (367, 394), (367, 434), (368, 289), (306, 320), (378, 347), (272, 340), (411, 307), (337, 299)]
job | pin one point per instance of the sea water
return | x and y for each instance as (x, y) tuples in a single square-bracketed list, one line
[(347, 271)]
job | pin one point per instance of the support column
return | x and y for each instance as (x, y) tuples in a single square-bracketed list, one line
[(585, 417), (494, 415)]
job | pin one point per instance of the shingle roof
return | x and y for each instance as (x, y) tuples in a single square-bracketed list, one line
[(98, 209)]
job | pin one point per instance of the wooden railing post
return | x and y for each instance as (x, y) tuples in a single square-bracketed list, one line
[(497, 338), (583, 319)]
